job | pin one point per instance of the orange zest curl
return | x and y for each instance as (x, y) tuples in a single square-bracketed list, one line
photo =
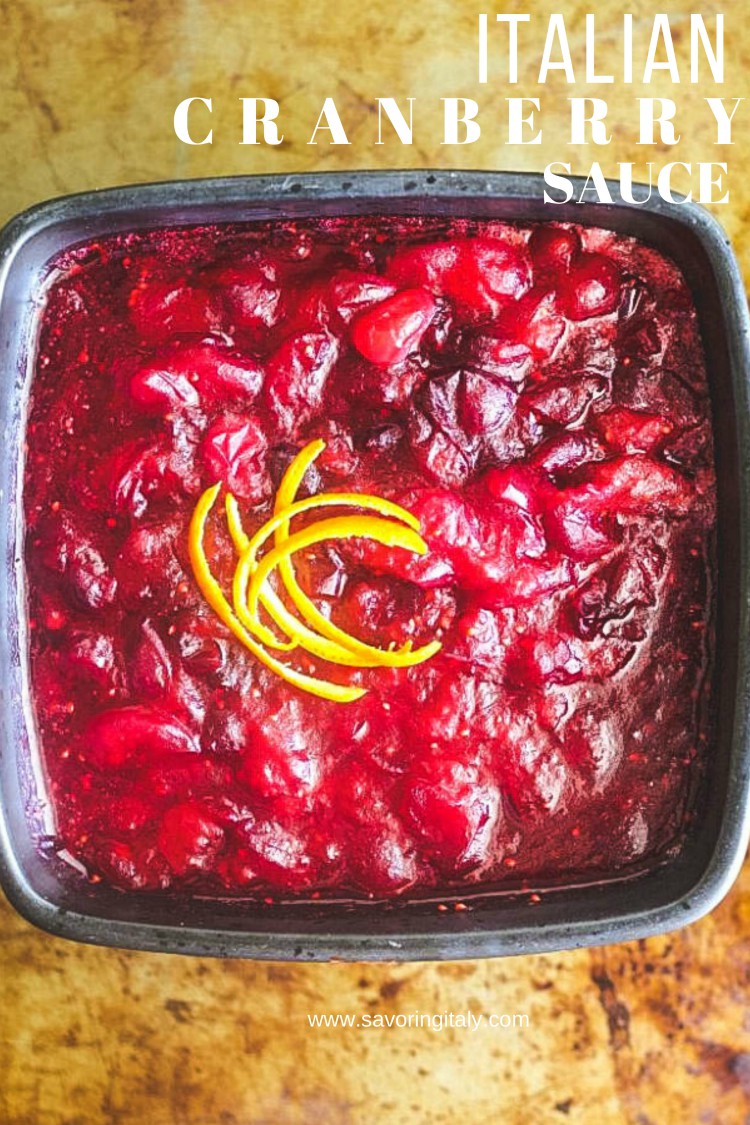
[(393, 526)]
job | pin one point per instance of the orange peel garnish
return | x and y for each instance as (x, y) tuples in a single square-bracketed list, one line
[(212, 592), (330, 642), (285, 499), (312, 642), (393, 526), (382, 531)]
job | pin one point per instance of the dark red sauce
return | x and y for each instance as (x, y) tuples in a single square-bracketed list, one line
[(536, 396)]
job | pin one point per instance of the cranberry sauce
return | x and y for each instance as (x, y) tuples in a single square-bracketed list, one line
[(535, 397)]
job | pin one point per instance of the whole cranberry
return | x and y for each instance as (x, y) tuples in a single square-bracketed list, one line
[(553, 250), (594, 745), (478, 633), (429, 264), (485, 404), (351, 292), (150, 668), (157, 389), (496, 356), (531, 767), (177, 776), (280, 854), (387, 387), (382, 858), (491, 271), (123, 736), (633, 431), (442, 460), (194, 375), (200, 643), (455, 809), (565, 401), (537, 660), (391, 331), (479, 275), (534, 320), (140, 474), (234, 452), (130, 865), (296, 378), (567, 451), (147, 568), (225, 732), (250, 293), (339, 456), (189, 838), (584, 534), (129, 815), (161, 310), (92, 655), (592, 288), (89, 577), (281, 759)]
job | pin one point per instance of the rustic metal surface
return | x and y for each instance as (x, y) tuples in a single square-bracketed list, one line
[(646, 1034)]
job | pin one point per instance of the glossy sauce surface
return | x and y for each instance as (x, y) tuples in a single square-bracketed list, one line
[(537, 397)]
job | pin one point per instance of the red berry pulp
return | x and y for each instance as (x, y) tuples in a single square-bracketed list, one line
[(536, 396)]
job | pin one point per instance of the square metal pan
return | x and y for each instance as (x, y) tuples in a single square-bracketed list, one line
[(669, 895)]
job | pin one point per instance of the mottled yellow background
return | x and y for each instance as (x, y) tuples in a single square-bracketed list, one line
[(653, 1033)]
